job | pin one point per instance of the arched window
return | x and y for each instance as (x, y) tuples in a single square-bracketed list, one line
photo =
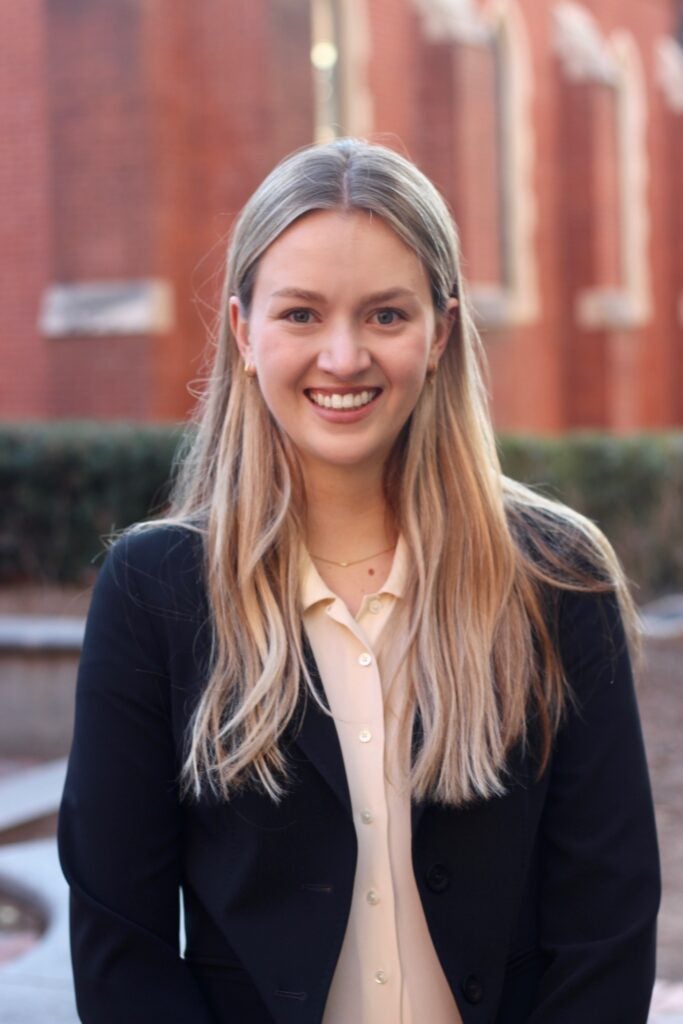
[(669, 61), (605, 121), (490, 150)]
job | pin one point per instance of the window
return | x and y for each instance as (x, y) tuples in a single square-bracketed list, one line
[(491, 151), (670, 75), (605, 122)]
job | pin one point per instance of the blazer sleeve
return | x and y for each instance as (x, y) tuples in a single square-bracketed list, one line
[(120, 826), (600, 885)]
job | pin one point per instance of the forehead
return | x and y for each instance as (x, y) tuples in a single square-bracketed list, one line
[(340, 248)]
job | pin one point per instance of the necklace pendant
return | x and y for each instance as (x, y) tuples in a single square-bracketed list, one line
[(344, 565)]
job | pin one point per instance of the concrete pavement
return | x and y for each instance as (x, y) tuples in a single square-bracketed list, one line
[(36, 987)]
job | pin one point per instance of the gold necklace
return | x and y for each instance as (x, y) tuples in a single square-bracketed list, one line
[(345, 565)]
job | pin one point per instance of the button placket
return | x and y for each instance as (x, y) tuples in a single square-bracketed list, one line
[(358, 705)]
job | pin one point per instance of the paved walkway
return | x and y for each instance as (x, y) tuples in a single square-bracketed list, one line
[(31, 794), (36, 987)]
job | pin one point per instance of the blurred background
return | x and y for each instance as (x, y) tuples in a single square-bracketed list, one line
[(132, 133)]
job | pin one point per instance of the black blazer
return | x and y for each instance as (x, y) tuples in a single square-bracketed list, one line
[(541, 903)]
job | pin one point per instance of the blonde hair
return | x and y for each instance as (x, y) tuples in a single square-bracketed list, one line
[(477, 623)]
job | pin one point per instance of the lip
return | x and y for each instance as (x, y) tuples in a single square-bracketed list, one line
[(344, 415)]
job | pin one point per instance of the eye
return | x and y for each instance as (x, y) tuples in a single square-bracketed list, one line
[(298, 316), (388, 317)]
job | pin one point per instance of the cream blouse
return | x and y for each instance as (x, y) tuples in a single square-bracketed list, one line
[(388, 970)]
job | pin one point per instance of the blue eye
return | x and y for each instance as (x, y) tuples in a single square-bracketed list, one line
[(299, 316), (388, 317)]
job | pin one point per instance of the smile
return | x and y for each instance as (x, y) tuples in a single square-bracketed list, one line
[(343, 399)]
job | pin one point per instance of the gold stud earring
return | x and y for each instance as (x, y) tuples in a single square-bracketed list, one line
[(249, 369)]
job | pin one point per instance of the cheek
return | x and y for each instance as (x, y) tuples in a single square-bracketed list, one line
[(278, 374), (275, 359), (409, 365)]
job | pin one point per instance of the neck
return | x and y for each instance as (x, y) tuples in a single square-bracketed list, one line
[(346, 516)]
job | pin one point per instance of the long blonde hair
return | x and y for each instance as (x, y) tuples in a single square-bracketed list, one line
[(477, 623)]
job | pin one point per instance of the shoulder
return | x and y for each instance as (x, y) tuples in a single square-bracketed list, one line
[(558, 547), (585, 595), (592, 638), (159, 567), (159, 548), (557, 540)]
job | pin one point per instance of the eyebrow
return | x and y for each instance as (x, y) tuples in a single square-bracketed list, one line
[(389, 295)]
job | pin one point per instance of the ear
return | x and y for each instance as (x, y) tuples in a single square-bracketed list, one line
[(240, 328), (442, 333)]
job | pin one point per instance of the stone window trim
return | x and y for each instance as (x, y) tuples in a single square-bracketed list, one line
[(499, 24), (669, 63), (586, 55), (343, 98), (107, 308), (356, 95)]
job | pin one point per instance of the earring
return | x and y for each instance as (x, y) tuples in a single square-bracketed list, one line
[(249, 369), (431, 374)]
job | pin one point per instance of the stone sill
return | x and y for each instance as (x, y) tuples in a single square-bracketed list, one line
[(611, 309), (107, 308), (496, 307), (492, 306)]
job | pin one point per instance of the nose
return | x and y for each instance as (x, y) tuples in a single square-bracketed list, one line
[(343, 353)]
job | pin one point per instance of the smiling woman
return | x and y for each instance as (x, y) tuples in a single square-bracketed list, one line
[(365, 702), (342, 355)]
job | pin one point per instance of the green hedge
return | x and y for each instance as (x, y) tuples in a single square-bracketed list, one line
[(66, 486), (632, 487)]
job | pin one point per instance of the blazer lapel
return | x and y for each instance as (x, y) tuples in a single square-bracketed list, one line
[(417, 807), (317, 735)]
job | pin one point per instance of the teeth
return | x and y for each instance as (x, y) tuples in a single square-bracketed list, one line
[(346, 401)]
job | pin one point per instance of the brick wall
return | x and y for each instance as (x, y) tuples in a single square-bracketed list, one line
[(100, 195), (135, 136), (24, 209)]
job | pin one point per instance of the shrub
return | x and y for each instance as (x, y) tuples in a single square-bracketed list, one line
[(67, 486), (632, 487)]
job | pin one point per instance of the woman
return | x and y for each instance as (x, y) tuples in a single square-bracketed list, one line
[(363, 700)]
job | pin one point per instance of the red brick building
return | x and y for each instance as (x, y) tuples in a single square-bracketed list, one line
[(133, 131)]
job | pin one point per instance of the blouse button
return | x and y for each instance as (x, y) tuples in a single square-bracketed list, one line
[(375, 606), (381, 977), (372, 897), (366, 817), (365, 735), (365, 659)]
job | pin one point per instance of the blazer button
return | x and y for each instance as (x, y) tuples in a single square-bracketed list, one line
[(438, 878), (473, 989)]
